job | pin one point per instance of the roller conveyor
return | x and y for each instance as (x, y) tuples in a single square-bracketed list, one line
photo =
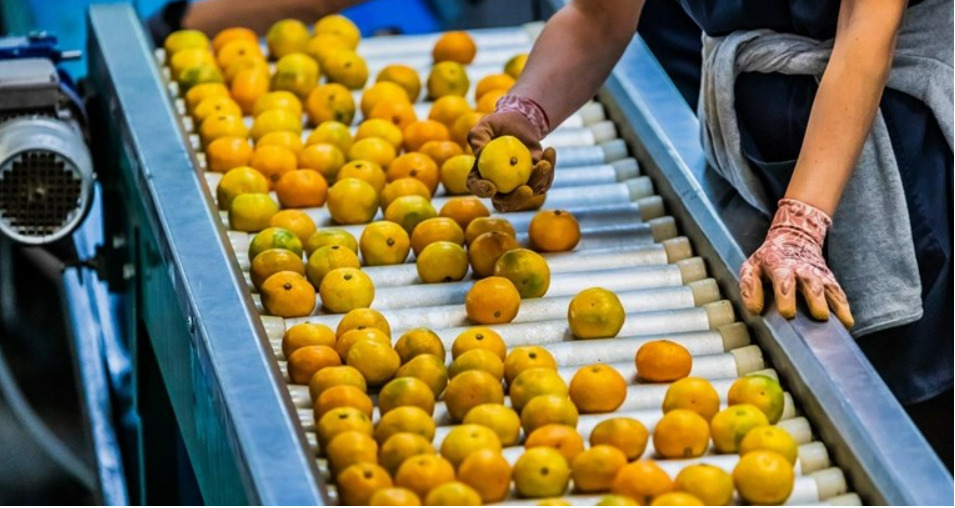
[(631, 243)]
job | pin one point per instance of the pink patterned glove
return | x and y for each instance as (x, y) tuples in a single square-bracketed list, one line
[(791, 255)]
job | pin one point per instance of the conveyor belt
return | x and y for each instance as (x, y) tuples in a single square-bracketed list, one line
[(671, 286), (628, 245)]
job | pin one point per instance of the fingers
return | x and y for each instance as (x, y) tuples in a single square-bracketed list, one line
[(480, 135), (751, 287), (479, 186), (542, 177), (839, 304), (515, 200), (811, 287), (784, 290), (550, 155)]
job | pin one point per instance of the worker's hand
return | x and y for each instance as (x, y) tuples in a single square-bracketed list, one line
[(527, 123), (791, 257)]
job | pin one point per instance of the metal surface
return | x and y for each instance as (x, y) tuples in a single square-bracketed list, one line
[(871, 436), (223, 386)]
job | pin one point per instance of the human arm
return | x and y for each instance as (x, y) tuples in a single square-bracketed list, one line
[(841, 117), (211, 16)]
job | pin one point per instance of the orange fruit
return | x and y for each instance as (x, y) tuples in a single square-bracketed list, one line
[(562, 438), (242, 63), (642, 480), (469, 389), (394, 496), (406, 391), (626, 434), (189, 58), (447, 109), (533, 382), (376, 150), (615, 500), (482, 225), (401, 114), (274, 238), (554, 231), (280, 99), (492, 300), (598, 389), (419, 341), (441, 151), (296, 221), (595, 313), (541, 472), (248, 86), (306, 334), (286, 36), (352, 201), (488, 473), (339, 26), (454, 172), (330, 236), (409, 211), (770, 438), (228, 35), (479, 337), (401, 446), (200, 92), (384, 91), (462, 126), (594, 469), (349, 448), (274, 120), (288, 140), (488, 101), (326, 259), (415, 165), (273, 162), (321, 46), (358, 482), (515, 65), (764, 477), (761, 391), (453, 494), (251, 212), (333, 133), (492, 82), (345, 289), (359, 319), (288, 294), (681, 434), (272, 261), (730, 426), (693, 393), (217, 126), (416, 134), (348, 339), (240, 180), (330, 102), (222, 105), (404, 76), (710, 484), (297, 73), (324, 158), (403, 187), (454, 46), (335, 376), (477, 359), (346, 67), (227, 153), (442, 261), (464, 210), (433, 230), (343, 396), (307, 360), (428, 368), (522, 358), (411, 419), (380, 128), (342, 419), (506, 162), (465, 439), (384, 243), (301, 188), (197, 75), (548, 409), (503, 420), (662, 361), (377, 362), (525, 268), (486, 249), (676, 499), (422, 473)]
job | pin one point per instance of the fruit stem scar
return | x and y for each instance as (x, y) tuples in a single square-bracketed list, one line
[(513, 161)]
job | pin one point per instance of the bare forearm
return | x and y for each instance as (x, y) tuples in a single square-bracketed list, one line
[(575, 53), (845, 104), (211, 16)]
